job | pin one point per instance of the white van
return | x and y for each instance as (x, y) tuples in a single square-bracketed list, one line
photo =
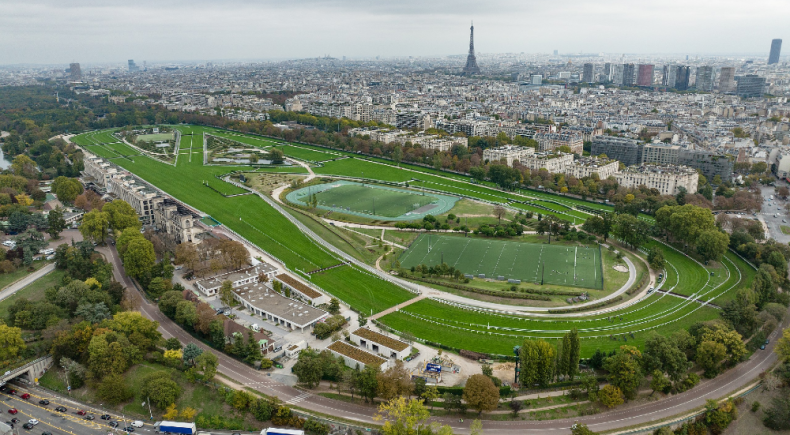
[(137, 423)]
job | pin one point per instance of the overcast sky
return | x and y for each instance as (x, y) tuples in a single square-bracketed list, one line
[(99, 31)]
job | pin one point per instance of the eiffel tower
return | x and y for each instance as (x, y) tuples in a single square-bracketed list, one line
[(471, 61)]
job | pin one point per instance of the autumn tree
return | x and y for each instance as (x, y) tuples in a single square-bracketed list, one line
[(11, 343), (394, 382), (404, 417), (625, 370), (56, 223), (226, 293), (206, 363), (480, 393), (121, 215), (139, 257), (610, 396), (95, 225)]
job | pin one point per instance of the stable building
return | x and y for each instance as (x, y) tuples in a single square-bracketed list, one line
[(380, 344), (302, 291), (354, 356), (263, 301)]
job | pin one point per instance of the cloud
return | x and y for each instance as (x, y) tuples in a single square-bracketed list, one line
[(57, 31)]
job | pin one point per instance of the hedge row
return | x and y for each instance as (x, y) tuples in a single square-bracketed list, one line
[(586, 307), (513, 295)]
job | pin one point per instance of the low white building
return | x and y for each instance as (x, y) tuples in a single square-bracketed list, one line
[(586, 166), (262, 300), (380, 344), (354, 356), (667, 179), (250, 275)]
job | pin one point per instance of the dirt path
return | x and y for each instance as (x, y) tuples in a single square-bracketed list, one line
[(399, 306)]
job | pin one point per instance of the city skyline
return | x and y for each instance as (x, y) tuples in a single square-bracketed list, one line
[(45, 32)]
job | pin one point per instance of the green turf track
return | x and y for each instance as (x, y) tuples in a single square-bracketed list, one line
[(427, 319), (259, 223), (564, 265)]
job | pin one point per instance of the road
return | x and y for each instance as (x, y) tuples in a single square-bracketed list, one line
[(25, 281), (775, 207), (245, 375)]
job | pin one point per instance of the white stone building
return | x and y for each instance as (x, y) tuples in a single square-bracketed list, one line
[(667, 179), (507, 152), (552, 162), (380, 344)]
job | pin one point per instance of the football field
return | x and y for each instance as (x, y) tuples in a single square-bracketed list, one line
[(528, 262)]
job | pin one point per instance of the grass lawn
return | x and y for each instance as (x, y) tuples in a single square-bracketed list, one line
[(785, 229), (535, 263), (8, 278), (34, 291)]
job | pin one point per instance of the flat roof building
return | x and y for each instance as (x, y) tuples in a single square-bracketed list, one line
[(627, 151), (552, 162), (288, 313), (587, 166), (249, 275), (552, 141), (660, 154), (354, 356), (380, 344), (508, 152), (666, 179)]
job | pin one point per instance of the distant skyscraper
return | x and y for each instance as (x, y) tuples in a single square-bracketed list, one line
[(670, 74), (617, 74), (682, 78), (607, 72), (750, 86), (74, 71), (133, 66), (645, 75), (776, 49), (471, 61), (536, 79), (629, 74), (727, 80), (556, 52), (588, 74), (705, 78)]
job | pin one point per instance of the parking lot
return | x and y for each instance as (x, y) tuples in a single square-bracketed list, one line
[(774, 215)]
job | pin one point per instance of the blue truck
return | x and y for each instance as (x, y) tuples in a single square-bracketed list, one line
[(174, 427)]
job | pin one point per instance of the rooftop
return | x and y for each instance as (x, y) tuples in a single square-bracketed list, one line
[(307, 291), (381, 339), (216, 281), (260, 296), (356, 353)]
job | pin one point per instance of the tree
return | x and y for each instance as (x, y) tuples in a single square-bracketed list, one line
[(191, 352), (172, 343), (631, 230), (574, 353), (140, 331), (139, 258), (11, 343), (121, 215), (367, 382), (308, 368), (664, 354), (712, 244), (66, 189), (56, 223), (783, 345), (406, 417), (659, 381), (168, 303), (160, 389), (24, 166), (581, 429), (394, 382), (625, 371), (777, 416), (186, 313), (95, 225), (235, 253), (187, 254), (499, 212), (431, 393), (31, 242), (537, 359), (113, 390), (710, 355), (610, 396), (480, 393), (207, 364), (334, 306), (110, 353), (655, 256), (226, 293)]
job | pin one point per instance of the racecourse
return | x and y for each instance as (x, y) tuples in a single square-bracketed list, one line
[(430, 320)]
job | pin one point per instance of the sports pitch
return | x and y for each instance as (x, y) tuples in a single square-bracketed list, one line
[(374, 201), (528, 262), (156, 137)]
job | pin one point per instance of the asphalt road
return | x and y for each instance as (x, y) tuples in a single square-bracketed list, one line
[(775, 207), (245, 375)]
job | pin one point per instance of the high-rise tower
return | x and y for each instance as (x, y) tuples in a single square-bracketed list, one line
[(471, 61), (776, 48)]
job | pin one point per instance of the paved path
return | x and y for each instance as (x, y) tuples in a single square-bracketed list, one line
[(27, 280), (398, 307)]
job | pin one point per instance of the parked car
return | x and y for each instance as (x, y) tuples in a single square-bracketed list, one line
[(43, 402), (13, 411)]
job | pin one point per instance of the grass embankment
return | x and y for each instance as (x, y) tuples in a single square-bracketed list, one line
[(33, 291)]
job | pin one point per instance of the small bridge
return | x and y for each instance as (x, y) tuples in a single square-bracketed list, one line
[(33, 370)]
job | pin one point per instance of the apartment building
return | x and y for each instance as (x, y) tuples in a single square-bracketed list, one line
[(551, 161), (138, 194), (710, 163), (628, 151), (508, 152), (552, 141), (660, 154), (587, 166), (666, 179), (172, 218)]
